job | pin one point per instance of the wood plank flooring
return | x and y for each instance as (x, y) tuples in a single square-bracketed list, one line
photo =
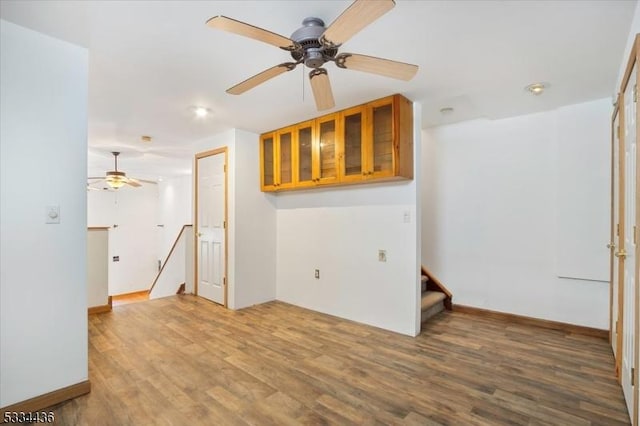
[(185, 361)]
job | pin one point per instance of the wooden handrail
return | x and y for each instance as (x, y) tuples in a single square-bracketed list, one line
[(434, 282), (175, 243)]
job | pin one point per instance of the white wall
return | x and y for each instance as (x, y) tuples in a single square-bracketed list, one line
[(134, 240), (339, 231), (43, 151), (255, 227), (491, 212), (251, 221), (175, 210), (583, 214), (635, 29)]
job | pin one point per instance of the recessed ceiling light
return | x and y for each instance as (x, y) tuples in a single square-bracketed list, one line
[(446, 110), (201, 111), (145, 138), (536, 88)]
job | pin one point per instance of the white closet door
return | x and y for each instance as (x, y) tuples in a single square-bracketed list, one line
[(615, 283), (628, 342)]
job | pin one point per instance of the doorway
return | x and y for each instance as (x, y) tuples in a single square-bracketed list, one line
[(211, 225)]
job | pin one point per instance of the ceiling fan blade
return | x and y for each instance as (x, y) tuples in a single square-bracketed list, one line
[(260, 78), (357, 16), (371, 64), (247, 30), (321, 89), (145, 181), (133, 182)]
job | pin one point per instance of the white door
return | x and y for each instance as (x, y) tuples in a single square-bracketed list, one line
[(615, 218), (211, 223), (628, 341)]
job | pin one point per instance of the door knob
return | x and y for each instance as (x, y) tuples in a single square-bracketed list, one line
[(611, 246), (622, 254), (199, 234)]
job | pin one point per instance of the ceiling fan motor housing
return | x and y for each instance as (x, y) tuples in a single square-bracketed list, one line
[(313, 53)]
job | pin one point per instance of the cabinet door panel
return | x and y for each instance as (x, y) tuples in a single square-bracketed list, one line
[(353, 148), (382, 129), (268, 154), (285, 159), (327, 150), (305, 154)]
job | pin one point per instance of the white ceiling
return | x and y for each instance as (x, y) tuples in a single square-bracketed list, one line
[(151, 60)]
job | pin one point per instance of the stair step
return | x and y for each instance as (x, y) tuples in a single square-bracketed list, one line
[(431, 298), (432, 304)]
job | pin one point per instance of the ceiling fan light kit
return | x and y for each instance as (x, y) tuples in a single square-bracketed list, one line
[(313, 45), (537, 89), (117, 179)]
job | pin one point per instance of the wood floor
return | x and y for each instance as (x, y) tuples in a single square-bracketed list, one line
[(185, 361)]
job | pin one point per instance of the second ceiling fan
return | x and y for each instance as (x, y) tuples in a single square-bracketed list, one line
[(314, 45)]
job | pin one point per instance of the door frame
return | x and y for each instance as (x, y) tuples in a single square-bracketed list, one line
[(199, 156), (634, 60), (613, 243)]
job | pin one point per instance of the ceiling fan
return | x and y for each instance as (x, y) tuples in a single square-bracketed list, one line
[(116, 178), (313, 45)]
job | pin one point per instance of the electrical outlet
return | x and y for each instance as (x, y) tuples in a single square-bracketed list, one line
[(53, 214), (382, 255), (317, 274)]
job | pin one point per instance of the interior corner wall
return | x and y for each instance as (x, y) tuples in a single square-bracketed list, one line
[(132, 215), (43, 267), (339, 231), (251, 218), (255, 228), (495, 210)]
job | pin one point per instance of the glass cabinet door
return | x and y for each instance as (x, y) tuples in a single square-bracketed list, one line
[(304, 150), (267, 145), (285, 158), (327, 165), (381, 156), (352, 136)]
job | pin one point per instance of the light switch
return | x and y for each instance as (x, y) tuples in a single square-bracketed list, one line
[(407, 216), (53, 214)]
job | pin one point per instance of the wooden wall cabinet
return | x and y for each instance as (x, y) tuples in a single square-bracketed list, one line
[(367, 143), (276, 160)]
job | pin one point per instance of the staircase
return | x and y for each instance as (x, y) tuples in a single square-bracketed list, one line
[(435, 296)]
